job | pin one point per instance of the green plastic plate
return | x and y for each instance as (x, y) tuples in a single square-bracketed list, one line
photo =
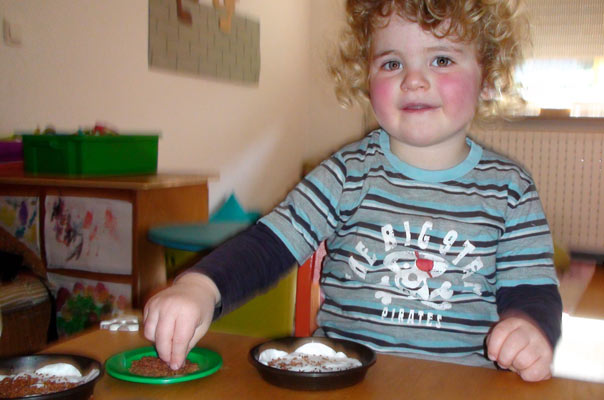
[(118, 365)]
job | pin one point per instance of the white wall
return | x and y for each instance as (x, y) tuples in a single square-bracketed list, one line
[(331, 126), (83, 61)]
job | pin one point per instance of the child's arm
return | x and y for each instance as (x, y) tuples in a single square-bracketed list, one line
[(524, 338), (246, 265), (177, 318)]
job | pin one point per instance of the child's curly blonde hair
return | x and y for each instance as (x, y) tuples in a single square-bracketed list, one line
[(498, 27)]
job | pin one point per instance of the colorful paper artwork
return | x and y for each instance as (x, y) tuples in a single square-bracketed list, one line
[(19, 217), (82, 303), (88, 234)]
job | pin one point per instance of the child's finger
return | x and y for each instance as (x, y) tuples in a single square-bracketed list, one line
[(199, 332), (184, 329), (163, 336), (496, 339), (512, 347), (525, 359), (537, 371), (150, 324)]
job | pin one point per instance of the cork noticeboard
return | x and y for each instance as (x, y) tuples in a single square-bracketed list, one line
[(208, 41)]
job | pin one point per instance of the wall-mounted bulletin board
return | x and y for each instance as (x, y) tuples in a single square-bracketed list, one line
[(209, 41)]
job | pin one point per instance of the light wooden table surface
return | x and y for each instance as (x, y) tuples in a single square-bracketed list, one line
[(591, 303), (391, 377), (580, 351)]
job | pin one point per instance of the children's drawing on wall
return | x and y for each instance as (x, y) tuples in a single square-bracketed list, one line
[(88, 234), (19, 217), (188, 37), (82, 303)]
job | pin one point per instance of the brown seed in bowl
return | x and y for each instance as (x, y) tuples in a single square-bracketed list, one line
[(26, 385), (155, 367)]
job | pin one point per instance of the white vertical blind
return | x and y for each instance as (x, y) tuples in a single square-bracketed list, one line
[(567, 28)]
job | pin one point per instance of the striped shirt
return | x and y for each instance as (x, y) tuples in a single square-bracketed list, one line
[(415, 257)]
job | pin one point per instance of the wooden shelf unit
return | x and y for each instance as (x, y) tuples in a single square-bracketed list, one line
[(155, 199)]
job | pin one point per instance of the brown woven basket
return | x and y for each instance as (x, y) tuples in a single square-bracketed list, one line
[(25, 330)]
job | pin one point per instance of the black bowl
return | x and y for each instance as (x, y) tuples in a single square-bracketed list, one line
[(314, 380), (16, 365)]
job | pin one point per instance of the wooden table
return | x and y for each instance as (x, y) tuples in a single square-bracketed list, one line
[(580, 351), (391, 377), (591, 304)]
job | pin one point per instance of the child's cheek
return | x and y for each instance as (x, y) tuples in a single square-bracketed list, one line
[(459, 92), (380, 93)]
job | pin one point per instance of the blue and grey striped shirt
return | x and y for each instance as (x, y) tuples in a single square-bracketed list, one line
[(415, 257)]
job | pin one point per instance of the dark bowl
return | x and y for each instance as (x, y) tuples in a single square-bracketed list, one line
[(314, 380), (16, 365)]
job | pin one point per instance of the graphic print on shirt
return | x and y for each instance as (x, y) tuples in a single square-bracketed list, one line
[(411, 271)]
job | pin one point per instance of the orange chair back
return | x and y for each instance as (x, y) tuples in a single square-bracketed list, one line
[(308, 293)]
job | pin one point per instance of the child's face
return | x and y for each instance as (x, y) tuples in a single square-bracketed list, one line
[(424, 90)]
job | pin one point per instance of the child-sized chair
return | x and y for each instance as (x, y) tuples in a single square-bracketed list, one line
[(308, 293)]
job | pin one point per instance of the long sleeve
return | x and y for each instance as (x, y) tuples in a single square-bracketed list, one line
[(245, 265), (542, 303), (526, 278)]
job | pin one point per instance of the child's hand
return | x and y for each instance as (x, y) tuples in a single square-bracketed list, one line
[(516, 343), (177, 317)]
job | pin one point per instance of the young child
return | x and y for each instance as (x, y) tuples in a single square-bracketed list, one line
[(436, 247)]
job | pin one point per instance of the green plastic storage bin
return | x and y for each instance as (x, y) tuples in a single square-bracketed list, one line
[(90, 155)]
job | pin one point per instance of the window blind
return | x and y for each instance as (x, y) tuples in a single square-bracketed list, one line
[(566, 28)]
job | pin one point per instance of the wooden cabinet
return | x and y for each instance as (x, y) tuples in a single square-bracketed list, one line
[(154, 199)]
